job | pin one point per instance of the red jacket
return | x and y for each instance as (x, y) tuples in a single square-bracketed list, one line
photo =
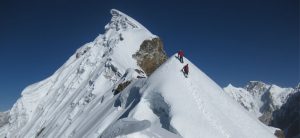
[(186, 68), (180, 53)]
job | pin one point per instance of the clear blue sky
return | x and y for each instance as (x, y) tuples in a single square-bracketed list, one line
[(233, 41)]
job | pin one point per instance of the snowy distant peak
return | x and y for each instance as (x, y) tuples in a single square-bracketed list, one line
[(277, 89), (260, 98), (261, 87), (256, 83), (230, 86), (297, 87), (121, 21), (257, 86), (244, 98)]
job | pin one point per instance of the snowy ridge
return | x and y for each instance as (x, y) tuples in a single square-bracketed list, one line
[(102, 92), (53, 107), (280, 95), (259, 98), (121, 20), (194, 106)]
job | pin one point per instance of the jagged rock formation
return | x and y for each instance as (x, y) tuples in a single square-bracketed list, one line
[(287, 117), (150, 55), (279, 134)]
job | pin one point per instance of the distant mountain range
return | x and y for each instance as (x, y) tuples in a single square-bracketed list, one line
[(271, 104)]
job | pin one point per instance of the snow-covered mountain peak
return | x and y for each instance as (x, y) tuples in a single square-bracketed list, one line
[(97, 70), (298, 87), (229, 85), (257, 88), (121, 21), (245, 98), (279, 95), (103, 91), (256, 85), (260, 98)]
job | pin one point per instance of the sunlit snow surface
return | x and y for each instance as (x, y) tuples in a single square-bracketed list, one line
[(253, 99), (78, 101)]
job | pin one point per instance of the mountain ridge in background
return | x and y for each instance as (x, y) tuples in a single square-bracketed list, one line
[(271, 104)]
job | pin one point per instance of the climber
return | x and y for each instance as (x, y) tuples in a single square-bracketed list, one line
[(185, 70), (180, 56)]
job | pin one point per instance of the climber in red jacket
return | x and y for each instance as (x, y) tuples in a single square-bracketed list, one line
[(180, 55), (186, 70)]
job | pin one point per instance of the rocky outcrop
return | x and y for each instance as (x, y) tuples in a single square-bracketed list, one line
[(121, 87), (150, 55), (279, 134)]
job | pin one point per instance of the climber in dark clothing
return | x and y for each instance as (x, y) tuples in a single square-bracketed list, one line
[(180, 55), (185, 70)]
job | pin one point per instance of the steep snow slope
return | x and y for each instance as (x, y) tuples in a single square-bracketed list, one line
[(79, 94), (78, 99), (4, 116), (193, 107)]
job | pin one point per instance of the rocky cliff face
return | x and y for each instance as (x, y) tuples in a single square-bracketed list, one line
[(150, 55)]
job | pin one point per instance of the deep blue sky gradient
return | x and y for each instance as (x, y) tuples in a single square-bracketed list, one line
[(232, 41)]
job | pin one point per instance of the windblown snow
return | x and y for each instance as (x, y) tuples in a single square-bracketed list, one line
[(80, 98)]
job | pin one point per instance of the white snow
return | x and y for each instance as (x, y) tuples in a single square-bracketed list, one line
[(75, 93), (245, 98), (78, 99), (280, 95), (198, 107), (251, 97)]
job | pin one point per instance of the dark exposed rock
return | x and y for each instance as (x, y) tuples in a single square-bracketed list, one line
[(267, 108), (80, 53), (287, 117), (121, 87), (279, 134), (150, 55)]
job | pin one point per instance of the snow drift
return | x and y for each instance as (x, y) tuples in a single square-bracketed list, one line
[(101, 91)]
